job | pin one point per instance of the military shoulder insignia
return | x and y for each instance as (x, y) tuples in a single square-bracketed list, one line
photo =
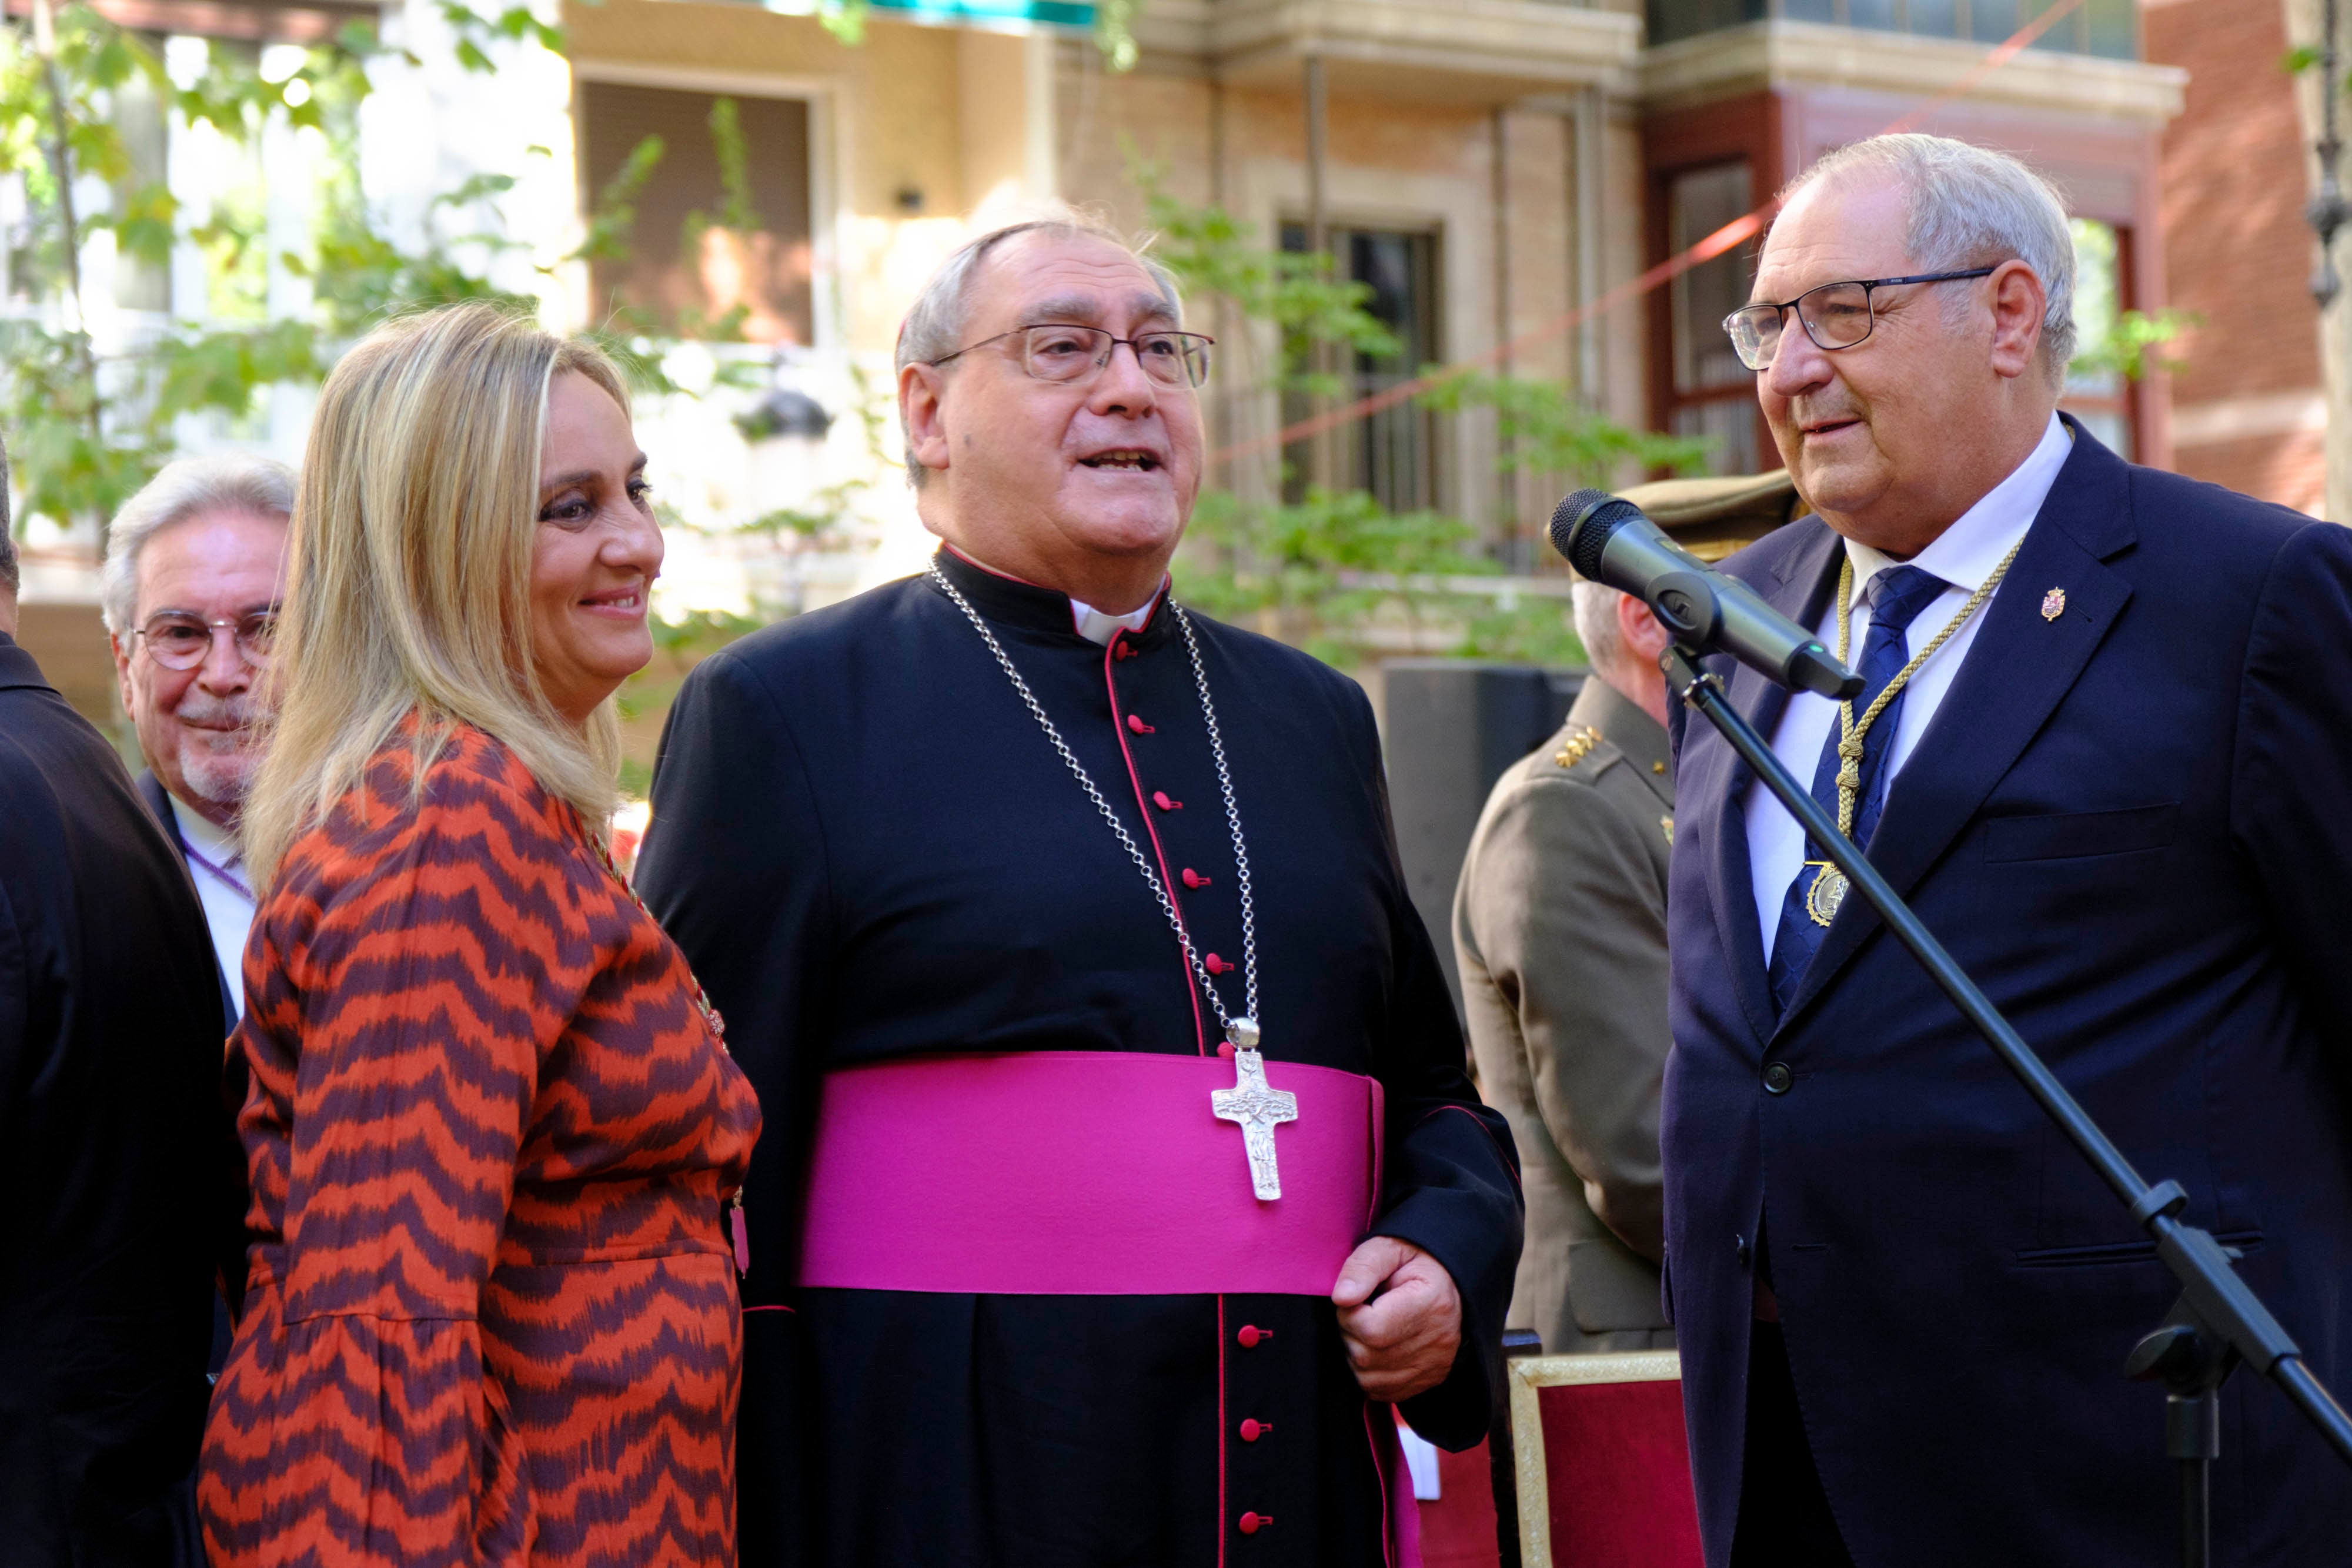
[(1580, 743), (2053, 604)]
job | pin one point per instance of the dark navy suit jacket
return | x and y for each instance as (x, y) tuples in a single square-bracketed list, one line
[(117, 1152), (2132, 824)]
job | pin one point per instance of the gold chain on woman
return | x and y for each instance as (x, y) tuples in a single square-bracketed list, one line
[(717, 1026), (603, 854)]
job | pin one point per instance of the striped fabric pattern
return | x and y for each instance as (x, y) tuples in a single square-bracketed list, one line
[(492, 1314)]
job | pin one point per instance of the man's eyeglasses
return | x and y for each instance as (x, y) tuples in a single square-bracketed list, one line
[(1065, 354), (179, 642), (1836, 316)]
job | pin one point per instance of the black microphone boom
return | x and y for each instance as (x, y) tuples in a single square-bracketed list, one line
[(1607, 540)]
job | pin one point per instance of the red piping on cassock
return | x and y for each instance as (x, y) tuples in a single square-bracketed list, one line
[(1143, 806)]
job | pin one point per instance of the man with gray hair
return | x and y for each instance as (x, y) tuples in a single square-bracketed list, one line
[(2104, 747), (1124, 1171), (1559, 934), (194, 563)]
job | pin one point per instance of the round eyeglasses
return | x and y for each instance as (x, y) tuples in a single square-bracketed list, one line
[(1065, 353), (181, 642), (1836, 316)]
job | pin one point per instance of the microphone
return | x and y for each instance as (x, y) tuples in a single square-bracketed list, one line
[(1607, 540)]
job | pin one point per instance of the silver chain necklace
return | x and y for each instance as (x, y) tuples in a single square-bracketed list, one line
[(1242, 1032)]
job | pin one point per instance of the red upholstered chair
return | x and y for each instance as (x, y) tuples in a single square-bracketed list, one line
[(1604, 1476), (1457, 1529)]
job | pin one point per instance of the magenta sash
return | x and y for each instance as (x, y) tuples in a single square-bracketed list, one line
[(1082, 1173)]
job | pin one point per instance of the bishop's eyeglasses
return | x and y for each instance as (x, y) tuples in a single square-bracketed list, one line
[(180, 641), (1061, 352), (1836, 316)]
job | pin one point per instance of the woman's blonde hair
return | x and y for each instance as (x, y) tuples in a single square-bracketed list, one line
[(408, 569)]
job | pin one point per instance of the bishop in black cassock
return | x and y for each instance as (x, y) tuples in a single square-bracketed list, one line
[(871, 852)]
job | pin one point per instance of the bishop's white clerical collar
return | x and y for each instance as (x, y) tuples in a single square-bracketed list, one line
[(1098, 628)]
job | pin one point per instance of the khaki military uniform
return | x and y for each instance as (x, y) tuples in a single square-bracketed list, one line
[(1559, 924)]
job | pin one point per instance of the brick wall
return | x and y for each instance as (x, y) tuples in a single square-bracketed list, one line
[(2247, 410)]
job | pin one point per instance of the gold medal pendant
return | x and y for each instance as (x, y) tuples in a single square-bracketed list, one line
[(1822, 899)]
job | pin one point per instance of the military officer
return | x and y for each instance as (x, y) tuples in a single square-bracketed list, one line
[(1559, 927)]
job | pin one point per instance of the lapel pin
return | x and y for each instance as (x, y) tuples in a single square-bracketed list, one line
[(2053, 604)]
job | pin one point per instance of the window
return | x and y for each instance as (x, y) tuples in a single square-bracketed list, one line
[(1673, 19), (2109, 28), (141, 283), (2097, 393), (682, 262), (1710, 393), (1394, 452)]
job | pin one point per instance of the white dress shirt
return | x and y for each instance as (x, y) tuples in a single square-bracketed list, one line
[(228, 910), (1964, 555)]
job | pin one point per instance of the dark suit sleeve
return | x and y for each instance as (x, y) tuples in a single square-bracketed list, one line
[(734, 868), (1451, 1183), (2293, 762), (15, 1068)]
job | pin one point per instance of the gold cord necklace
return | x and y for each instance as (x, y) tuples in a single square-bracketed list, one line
[(1828, 889), (603, 854)]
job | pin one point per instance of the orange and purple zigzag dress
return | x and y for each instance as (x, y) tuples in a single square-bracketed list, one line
[(491, 1316)]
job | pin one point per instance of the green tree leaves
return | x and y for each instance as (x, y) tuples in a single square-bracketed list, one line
[(86, 429), (1334, 571)]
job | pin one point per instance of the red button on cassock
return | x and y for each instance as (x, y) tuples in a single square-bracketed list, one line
[(1194, 879), (1214, 964), (1253, 1430), (1160, 799), (1251, 1523), (1250, 1333), (1138, 725)]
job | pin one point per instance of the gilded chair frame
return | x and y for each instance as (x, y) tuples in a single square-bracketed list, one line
[(1529, 1373)]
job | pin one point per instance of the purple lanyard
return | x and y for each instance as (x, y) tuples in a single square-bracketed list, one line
[(221, 873)]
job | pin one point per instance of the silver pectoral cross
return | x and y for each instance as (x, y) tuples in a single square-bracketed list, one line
[(1257, 1108)]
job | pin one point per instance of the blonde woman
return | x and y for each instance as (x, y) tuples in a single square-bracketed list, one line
[(491, 1315)]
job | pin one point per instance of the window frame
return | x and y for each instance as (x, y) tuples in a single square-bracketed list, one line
[(1667, 400), (2125, 402), (1354, 468), (828, 309)]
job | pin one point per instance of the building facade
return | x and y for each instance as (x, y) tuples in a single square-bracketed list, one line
[(1500, 174), (2248, 408)]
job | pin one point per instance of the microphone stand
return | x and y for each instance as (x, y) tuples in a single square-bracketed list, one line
[(2218, 1320)]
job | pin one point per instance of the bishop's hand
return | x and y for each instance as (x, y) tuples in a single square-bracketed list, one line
[(1400, 1318)]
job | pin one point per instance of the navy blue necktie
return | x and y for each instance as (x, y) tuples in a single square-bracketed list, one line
[(1896, 596)]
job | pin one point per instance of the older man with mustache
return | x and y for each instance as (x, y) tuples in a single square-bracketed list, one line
[(193, 566)]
